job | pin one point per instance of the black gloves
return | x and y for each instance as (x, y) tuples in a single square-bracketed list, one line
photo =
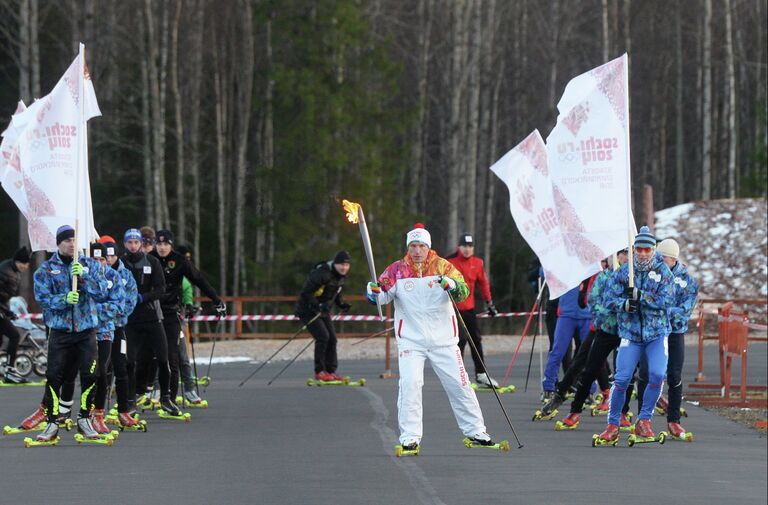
[(344, 306), (492, 311)]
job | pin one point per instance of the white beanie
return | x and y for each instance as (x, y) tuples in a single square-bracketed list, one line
[(418, 234), (668, 247)]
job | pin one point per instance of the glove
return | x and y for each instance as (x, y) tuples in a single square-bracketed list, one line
[(345, 307), (372, 292), (221, 309), (139, 298), (630, 306), (73, 297), (492, 311), (77, 268), (632, 293), (190, 311), (446, 283), (325, 309)]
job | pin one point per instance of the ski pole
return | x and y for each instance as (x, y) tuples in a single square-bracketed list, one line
[(194, 362), (474, 348), (213, 348), (525, 330), (377, 334), (281, 348), (530, 358), (290, 362)]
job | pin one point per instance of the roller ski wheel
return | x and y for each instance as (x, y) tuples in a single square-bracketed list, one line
[(203, 381), (608, 437), (184, 416), (633, 439), (407, 450), (10, 430), (481, 388), (28, 442), (597, 441), (66, 424), (472, 444), (570, 422), (202, 404), (676, 432), (600, 409)]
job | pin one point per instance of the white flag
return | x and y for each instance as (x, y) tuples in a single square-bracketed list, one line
[(52, 153), (570, 197)]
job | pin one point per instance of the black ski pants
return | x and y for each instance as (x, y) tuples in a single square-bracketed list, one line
[(470, 320), (68, 351), (578, 364), (145, 341), (172, 327), (325, 343), (8, 329), (119, 364)]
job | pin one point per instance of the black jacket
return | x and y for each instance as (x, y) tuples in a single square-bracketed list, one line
[(150, 282), (323, 285), (10, 279), (175, 267)]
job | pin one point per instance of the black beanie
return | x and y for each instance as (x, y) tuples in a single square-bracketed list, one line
[(341, 257), (164, 236), (22, 255), (98, 250), (63, 233)]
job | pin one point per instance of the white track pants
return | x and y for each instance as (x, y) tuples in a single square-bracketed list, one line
[(449, 367)]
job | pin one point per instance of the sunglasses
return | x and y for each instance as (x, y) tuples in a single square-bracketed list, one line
[(643, 250)]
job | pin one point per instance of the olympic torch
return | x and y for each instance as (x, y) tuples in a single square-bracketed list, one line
[(355, 216)]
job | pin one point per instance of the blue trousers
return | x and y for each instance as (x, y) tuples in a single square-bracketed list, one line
[(676, 351), (564, 331), (630, 354)]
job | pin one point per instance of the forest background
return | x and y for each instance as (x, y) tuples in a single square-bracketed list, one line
[(241, 124)]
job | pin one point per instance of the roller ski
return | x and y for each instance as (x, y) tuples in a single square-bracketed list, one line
[(5, 383), (499, 389), (192, 400), (549, 410), (609, 437), (203, 381), (169, 410), (643, 434), (145, 402), (483, 441), (125, 421), (602, 404), (86, 434), (345, 381), (677, 432), (34, 422), (570, 422), (49, 436), (411, 449)]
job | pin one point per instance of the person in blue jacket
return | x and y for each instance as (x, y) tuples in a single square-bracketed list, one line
[(685, 290), (572, 319), (72, 319), (643, 325)]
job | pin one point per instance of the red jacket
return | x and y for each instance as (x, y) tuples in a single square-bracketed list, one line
[(473, 270)]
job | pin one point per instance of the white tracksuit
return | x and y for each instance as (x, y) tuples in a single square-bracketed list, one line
[(426, 329)]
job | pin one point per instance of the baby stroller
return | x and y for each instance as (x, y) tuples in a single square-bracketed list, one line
[(32, 355)]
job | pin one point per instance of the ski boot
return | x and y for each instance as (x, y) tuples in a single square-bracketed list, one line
[(603, 405), (338, 377), (97, 421), (662, 407), (192, 400), (49, 436), (626, 421), (87, 434), (409, 449), (483, 380), (643, 434), (549, 410), (609, 437), (169, 410), (127, 422), (34, 422), (570, 422), (12, 376), (483, 441), (676, 432)]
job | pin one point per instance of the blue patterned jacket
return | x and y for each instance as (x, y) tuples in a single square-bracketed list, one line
[(651, 320), (685, 289), (130, 292), (602, 318), (109, 307), (52, 282)]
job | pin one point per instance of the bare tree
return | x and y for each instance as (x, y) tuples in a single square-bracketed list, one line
[(733, 133), (706, 67)]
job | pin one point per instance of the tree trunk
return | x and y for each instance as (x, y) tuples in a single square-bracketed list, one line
[(181, 204), (733, 134), (196, 61), (706, 147), (149, 193), (606, 32), (467, 222), (553, 56), (221, 106), (422, 72), (245, 91), (679, 130)]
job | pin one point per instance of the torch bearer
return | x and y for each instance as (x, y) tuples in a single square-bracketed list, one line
[(355, 215)]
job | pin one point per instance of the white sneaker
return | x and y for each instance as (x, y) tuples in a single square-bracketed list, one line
[(484, 380)]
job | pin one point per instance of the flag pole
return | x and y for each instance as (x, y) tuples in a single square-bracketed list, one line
[(631, 263), (81, 93)]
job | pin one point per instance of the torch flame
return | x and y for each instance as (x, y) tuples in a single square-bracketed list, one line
[(351, 209)]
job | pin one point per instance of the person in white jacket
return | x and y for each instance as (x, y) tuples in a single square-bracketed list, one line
[(426, 328)]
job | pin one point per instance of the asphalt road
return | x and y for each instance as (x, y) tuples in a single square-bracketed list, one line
[(292, 444)]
